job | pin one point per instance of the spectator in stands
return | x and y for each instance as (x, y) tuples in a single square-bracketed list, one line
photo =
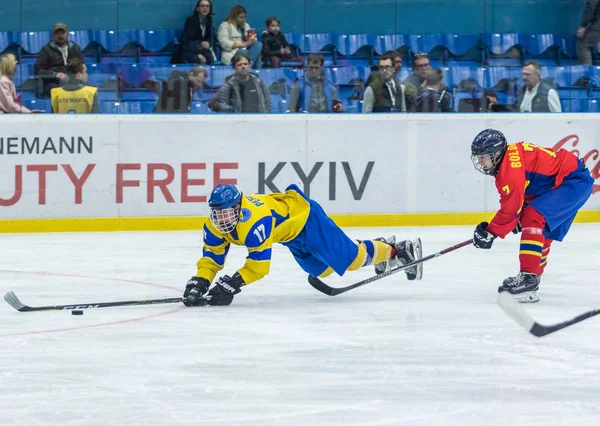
[(275, 47), (488, 100), (397, 59), (51, 64), (385, 93), (9, 101), (420, 66), (177, 93), (433, 97), (588, 32), (75, 97), (197, 35), (236, 35), (316, 93), (243, 92), (536, 96)]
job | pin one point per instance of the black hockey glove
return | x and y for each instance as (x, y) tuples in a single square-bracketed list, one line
[(518, 228), (482, 238), (194, 289), (224, 289)]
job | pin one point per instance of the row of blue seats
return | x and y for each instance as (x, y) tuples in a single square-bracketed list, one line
[(279, 105), (346, 44), (486, 77)]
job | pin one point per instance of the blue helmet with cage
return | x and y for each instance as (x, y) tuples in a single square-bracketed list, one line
[(487, 151), (224, 207)]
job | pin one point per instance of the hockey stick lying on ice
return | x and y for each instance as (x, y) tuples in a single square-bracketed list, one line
[(12, 299), (516, 312), (331, 291)]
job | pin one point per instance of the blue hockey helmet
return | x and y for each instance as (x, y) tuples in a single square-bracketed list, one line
[(487, 151), (224, 209)]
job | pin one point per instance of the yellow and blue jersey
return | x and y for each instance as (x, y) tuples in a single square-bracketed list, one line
[(264, 219)]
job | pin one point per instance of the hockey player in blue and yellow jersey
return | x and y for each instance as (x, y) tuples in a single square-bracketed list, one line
[(257, 221)]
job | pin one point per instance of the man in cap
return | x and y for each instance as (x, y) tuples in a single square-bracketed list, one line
[(52, 60)]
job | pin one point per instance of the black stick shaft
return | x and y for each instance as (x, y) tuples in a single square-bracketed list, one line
[(331, 291)]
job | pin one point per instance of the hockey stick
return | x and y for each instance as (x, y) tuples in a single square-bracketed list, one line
[(331, 291), (12, 299), (516, 312)]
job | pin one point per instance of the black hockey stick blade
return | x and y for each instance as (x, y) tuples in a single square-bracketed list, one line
[(12, 299), (332, 291), (516, 312)]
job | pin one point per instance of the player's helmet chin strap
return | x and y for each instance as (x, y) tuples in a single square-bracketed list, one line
[(225, 220)]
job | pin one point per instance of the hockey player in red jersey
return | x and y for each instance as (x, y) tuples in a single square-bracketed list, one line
[(540, 193)]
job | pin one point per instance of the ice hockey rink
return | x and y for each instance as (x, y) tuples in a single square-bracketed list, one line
[(439, 351)]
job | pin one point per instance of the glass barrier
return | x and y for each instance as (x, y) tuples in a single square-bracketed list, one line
[(141, 56)]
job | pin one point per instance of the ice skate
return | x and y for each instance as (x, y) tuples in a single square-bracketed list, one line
[(523, 287), (406, 252)]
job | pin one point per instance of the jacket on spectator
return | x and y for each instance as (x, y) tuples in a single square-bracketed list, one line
[(539, 103), (175, 95), (415, 81), (429, 100), (591, 15), (8, 94), (315, 94), (229, 99), (50, 60), (381, 100), (229, 34), (194, 33), (75, 97), (272, 44)]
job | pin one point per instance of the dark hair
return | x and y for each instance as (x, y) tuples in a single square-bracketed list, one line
[(75, 66), (392, 54), (270, 20), (387, 56), (434, 76), (419, 56), (490, 93), (210, 12), (316, 57), (238, 57)]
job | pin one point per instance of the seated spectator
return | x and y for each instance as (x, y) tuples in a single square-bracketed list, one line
[(536, 96), (489, 99), (75, 97), (420, 65), (275, 47), (236, 35), (10, 103), (197, 35), (397, 60), (52, 60), (243, 92), (433, 97), (385, 93), (316, 93), (178, 91)]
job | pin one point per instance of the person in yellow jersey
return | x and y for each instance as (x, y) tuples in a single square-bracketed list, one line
[(257, 221), (75, 97)]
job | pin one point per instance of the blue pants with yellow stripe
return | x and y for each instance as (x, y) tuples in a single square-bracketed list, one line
[(322, 244)]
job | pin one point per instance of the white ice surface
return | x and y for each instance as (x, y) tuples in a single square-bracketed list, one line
[(434, 352)]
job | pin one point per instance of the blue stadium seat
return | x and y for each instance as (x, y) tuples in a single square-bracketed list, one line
[(156, 40), (217, 75), (316, 42), (342, 75), (107, 95), (349, 44), (460, 44), (575, 105), (383, 43), (500, 43), (82, 38), (493, 75), (43, 104), (32, 42), (139, 95), (201, 107), (278, 104), (454, 75), (423, 42), (108, 107), (9, 37), (108, 39), (593, 105), (297, 39)]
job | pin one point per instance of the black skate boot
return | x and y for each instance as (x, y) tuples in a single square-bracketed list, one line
[(523, 287), (406, 252)]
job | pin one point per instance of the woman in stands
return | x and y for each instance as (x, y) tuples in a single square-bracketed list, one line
[(235, 34), (197, 35), (9, 102)]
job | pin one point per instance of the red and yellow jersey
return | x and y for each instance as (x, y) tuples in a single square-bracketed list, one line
[(265, 219), (526, 172)]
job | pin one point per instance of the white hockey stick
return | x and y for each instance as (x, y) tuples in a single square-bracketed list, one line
[(516, 312)]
